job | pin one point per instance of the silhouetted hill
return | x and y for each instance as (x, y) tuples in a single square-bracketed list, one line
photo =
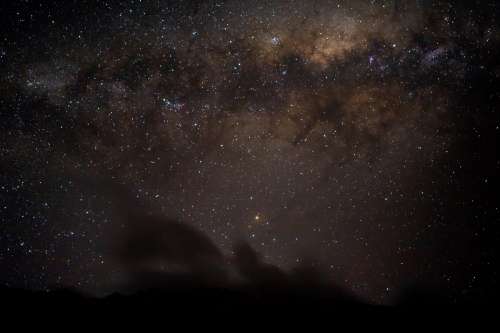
[(238, 309)]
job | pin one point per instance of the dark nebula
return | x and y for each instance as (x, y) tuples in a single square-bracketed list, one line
[(349, 144)]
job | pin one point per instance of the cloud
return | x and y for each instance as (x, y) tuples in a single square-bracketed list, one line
[(152, 252)]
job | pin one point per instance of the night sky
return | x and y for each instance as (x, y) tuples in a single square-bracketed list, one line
[(353, 138)]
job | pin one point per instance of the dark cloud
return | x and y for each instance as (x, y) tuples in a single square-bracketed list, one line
[(159, 252)]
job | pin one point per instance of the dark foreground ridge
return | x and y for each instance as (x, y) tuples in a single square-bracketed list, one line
[(230, 300), (242, 309)]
